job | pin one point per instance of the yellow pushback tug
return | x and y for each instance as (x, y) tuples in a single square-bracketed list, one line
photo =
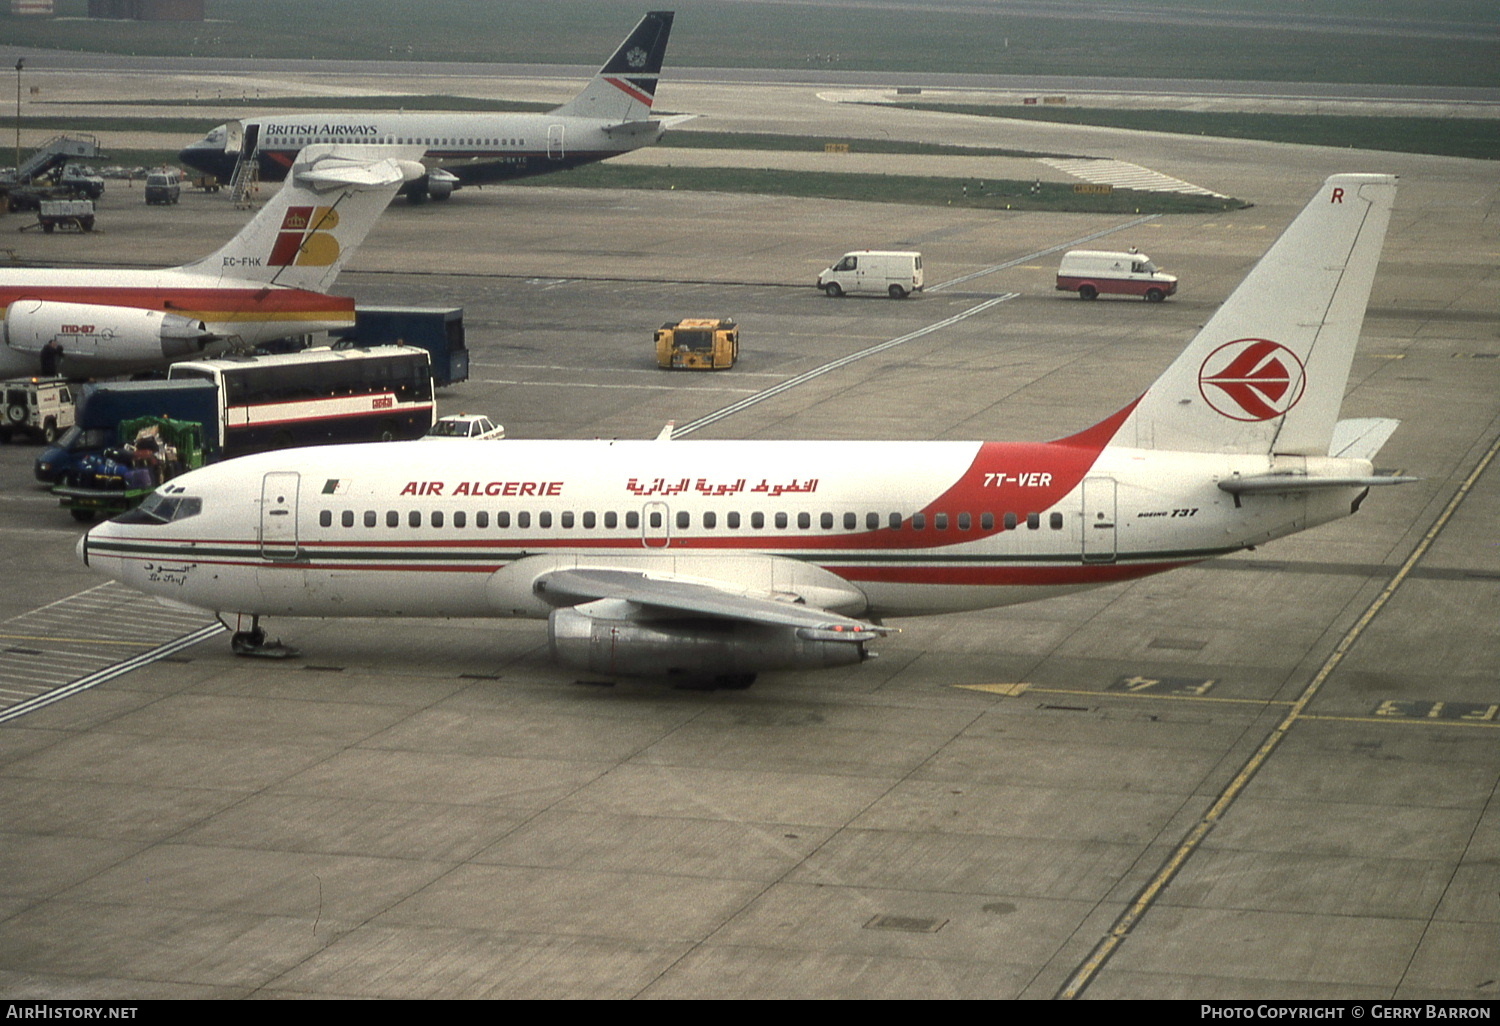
[(698, 344)]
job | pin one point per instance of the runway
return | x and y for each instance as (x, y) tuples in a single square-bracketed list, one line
[(1269, 776)]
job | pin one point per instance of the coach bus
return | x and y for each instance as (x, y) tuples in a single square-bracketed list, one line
[(317, 396)]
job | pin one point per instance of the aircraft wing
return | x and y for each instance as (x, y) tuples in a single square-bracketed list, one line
[(659, 596), (329, 167)]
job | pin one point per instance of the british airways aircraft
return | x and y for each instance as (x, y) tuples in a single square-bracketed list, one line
[(611, 116), (268, 282), (716, 560)]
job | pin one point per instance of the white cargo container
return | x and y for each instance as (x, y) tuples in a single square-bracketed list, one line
[(73, 213), (1092, 273), (894, 273)]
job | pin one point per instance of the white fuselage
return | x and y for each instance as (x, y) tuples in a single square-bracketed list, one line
[(478, 148), (868, 529), (104, 339)]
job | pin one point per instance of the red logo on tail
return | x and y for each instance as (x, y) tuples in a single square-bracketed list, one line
[(1252, 379)]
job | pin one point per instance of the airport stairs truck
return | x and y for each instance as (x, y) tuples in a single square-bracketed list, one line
[(27, 190)]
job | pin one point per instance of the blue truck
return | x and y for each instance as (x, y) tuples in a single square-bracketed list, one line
[(151, 451), (104, 407), (439, 330)]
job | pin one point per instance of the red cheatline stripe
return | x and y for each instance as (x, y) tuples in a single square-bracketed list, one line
[(205, 304), (963, 576), (982, 576), (631, 91)]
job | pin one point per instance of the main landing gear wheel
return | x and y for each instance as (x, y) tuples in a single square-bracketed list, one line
[(253, 643)]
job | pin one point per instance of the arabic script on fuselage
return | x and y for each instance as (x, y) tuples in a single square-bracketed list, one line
[(703, 486)]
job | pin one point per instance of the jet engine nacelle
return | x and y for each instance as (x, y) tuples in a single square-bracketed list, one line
[(440, 183), (436, 184), (702, 647), (103, 332)]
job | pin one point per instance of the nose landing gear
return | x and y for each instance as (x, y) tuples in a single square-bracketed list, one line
[(253, 643)]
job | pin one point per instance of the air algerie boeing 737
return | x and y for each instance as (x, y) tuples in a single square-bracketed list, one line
[(720, 559), (611, 116), (267, 283)]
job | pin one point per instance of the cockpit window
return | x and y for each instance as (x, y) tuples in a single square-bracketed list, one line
[(160, 508)]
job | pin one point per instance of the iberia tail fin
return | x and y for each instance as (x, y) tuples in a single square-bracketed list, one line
[(331, 199)]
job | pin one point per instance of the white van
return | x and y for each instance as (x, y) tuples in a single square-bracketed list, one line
[(1092, 273), (163, 187), (891, 272)]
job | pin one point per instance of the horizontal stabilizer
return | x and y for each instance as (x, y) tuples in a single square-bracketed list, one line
[(1285, 484), (1362, 438), (658, 594), (645, 129), (632, 130)]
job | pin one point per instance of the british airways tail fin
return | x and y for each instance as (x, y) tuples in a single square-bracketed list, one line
[(331, 199), (1267, 373), (625, 88)]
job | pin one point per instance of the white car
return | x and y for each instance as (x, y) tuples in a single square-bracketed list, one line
[(466, 425)]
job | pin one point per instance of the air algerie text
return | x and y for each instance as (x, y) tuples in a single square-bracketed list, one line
[(483, 488)]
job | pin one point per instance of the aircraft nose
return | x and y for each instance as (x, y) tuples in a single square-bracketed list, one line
[(204, 155), (83, 549)]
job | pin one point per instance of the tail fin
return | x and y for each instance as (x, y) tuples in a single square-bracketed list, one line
[(1267, 373), (330, 200), (625, 88)]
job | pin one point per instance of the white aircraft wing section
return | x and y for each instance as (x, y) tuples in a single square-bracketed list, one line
[(326, 167), (658, 596)]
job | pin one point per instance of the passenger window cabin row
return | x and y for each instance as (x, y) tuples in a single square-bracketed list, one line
[(683, 520), (388, 140)]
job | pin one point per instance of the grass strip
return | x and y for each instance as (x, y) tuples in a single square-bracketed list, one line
[(1478, 138), (991, 194)]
